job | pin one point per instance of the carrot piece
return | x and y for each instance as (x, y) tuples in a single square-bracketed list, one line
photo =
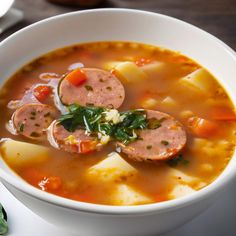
[(223, 114), (41, 180), (41, 92), (76, 77), (87, 146), (142, 61), (202, 127)]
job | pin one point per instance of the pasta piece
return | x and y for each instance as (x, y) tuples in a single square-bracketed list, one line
[(126, 195), (200, 80), (186, 114), (113, 168), (21, 153), (206, 167), (168, 101), (181, 190), (208, 148), (130, 72), (149, 103)]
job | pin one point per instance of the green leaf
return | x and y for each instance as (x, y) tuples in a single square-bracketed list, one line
[(177, 160), (3, 221), (92, 119)]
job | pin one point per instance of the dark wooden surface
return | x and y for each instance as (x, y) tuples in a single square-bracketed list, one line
[(218, 17)]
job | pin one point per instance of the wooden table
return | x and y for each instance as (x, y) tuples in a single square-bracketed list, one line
[(218, 17)]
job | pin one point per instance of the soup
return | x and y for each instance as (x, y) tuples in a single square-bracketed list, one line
[(116, 123)]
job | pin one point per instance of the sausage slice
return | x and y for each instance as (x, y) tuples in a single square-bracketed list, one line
[(160, 143), (74, 142), (31, 120), (101, 89)]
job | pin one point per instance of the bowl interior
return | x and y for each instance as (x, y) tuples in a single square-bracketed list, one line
[(122, 25)]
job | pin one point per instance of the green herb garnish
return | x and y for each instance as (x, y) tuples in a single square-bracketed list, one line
[(47, 114), (22, 126), (177, 160), (154, 123), (88, 88), (164, 142), (93, 120), (3, 221), (35, 134)]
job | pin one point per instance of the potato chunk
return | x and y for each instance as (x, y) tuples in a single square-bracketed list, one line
[(21, 153), (113, 168), (182, 177), (126, 195), (153, 67), (130, 72), (111, 65), (181, 190), (200, 80)]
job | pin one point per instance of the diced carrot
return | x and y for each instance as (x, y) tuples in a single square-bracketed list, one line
[(202, 127), (223, 114), (142, 61), (87, 146), (76, 77), (41, 92), (41, 180)]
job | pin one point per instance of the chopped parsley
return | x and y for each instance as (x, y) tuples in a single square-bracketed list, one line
[(47, 114), (88, 88), (93, 120), (154, 123), (22, 126), (177, 160), (149, 147), (35, 134), (164, 142)]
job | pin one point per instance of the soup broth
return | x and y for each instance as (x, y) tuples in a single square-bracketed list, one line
[(153, 79)]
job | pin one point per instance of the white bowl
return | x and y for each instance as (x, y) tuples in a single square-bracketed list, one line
[(127, 25)]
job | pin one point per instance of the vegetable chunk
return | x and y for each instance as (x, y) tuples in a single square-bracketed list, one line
[(125, 195), (130, 72), (18, 153), (113, 168), (199, 80), (180, 191)]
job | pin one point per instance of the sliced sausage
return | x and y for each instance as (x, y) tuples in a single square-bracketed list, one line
[(101, 89), (31, 120), (160, 143), (74, 142)]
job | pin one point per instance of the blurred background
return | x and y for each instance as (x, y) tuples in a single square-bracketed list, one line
[(218, 17)]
